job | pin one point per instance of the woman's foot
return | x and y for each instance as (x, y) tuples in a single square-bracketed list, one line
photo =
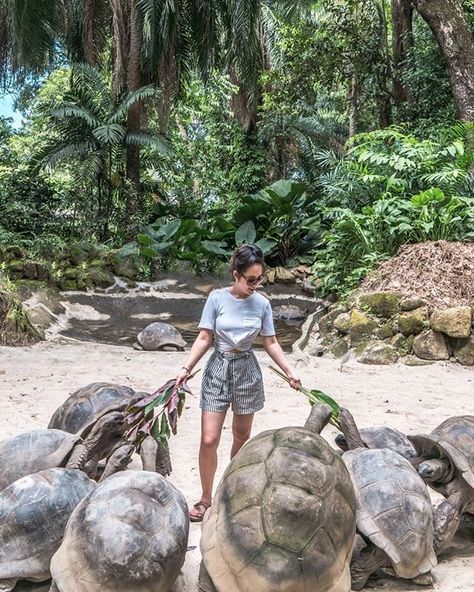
[(196, 514)]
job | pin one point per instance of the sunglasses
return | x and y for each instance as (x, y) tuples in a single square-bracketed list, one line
[(251, 282)]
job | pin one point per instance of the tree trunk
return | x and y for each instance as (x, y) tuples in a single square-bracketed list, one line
[(243, 107), (120, 20), (448, 22), (353, 97), (384, 72), (134, 83), (402, 43)]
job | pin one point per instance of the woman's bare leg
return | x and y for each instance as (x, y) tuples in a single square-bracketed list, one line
[(241, 429), (211, 429)]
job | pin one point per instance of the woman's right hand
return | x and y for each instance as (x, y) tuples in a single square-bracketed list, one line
[(182, 376)]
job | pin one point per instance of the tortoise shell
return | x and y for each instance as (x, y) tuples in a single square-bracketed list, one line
[(33, 515), (34, 451), (383, 437), (453, 440), (393, 509), (283, 517), (85, 406), (130, 534), (158, 335)]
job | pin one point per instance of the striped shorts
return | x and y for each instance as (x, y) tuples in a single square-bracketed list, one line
[(232, 379)]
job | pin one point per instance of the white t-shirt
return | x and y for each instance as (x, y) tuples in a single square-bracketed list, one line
[(236, 321)]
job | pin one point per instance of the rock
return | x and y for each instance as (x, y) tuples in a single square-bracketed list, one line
[(410, 303), (385, 330), (430, 345), (289, 312), (311, 286), (414, 361), (270, 275), (379, 353), (464, 351), (102, 278), (325, 323), (16, 265), (70, 273), (15, 325), (398, 341), (361, 327), (284, 276), (353, 298), (42, 272), (455, 321), (340, 347), (413, 322), (67, 285), (343, 322), (126, 267), (382, 304)]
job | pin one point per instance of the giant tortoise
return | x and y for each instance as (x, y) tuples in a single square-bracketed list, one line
[(283, 518), (394, 513), (40, 449), (447, 465), (33, 515), (129, 535), (85, 406), (382, 437)]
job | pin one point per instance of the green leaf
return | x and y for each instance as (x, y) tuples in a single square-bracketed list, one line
[(168, 230), (144, 239), (266, 244), (246, 233), (215, 247)]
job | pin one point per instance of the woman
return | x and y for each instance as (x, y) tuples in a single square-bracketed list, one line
[(231, 319)]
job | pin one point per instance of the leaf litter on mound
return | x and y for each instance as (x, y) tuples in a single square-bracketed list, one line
[(439, 272)]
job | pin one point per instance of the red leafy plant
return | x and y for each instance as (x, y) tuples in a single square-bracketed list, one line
[(157, 414)]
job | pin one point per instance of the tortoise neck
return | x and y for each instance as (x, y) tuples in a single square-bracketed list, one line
[(350, 430), (318, 418)]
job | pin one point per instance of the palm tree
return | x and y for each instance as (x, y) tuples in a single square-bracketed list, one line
[(91, 130)]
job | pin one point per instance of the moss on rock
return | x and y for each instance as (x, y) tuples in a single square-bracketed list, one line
[(361, 327), (413, 322), (464, 351), (340, 347), (343, 322), (379, 353), (430, 345), (15, 325), (455, 321), (382, 304)]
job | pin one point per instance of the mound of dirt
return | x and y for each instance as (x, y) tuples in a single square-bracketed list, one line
[(439, 272)]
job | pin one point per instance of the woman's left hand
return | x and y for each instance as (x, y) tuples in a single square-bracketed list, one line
[(295, 381)]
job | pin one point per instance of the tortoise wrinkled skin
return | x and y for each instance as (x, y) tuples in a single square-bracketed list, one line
[(34, 451), (130, 535), (283, 518), (394, 510), (83, 408), (33, 515)]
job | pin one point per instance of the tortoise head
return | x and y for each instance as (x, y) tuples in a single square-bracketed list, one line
[(341, 443), (436, 470), (104, 433)]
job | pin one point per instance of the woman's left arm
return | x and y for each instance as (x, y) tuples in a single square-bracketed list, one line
[(273, 349)]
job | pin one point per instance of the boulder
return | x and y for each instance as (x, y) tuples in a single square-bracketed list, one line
[(289, 312), (343, 322), (455, 321), (382, 304), (361, 327), (126, 267), (102, 278), (379, 353), (414, 361), (340, 347), (413, 322), (385, 330), (325, 323), (284, 276), (270, 275), (430, 345), (410, 303), (464, 351)]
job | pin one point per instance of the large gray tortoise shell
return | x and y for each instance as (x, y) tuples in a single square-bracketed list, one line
[(283, 517), (33, 514), (393, 509), (130, 534), (34, 451), (86, 405)]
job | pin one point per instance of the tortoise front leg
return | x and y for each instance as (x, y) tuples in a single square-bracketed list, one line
[(155, 457), (205, 582), (446, 519), (7, 585), (119, 460), (78, 457), (370, 559)]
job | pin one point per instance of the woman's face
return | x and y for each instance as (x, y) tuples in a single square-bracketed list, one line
[(248, 281)]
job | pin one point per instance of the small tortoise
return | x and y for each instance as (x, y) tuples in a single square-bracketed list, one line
[(40, 449), (84, 407), (33, 515), (158, 336), (283, 518), (382, 437), (130, 535), (394, 512), (447, 465)]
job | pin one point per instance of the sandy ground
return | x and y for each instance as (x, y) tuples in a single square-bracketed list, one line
[(35, 381)]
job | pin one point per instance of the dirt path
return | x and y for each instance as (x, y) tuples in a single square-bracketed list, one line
[(35, 381)]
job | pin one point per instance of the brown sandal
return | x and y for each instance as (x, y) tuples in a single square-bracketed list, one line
[(201, 508)]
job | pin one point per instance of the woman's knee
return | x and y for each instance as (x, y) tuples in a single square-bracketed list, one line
[(210, 441), (241, 435)]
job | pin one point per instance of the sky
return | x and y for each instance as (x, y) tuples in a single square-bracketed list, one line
[(6, 109)]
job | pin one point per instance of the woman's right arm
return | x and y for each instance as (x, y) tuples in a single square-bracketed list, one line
[(200, 346)]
